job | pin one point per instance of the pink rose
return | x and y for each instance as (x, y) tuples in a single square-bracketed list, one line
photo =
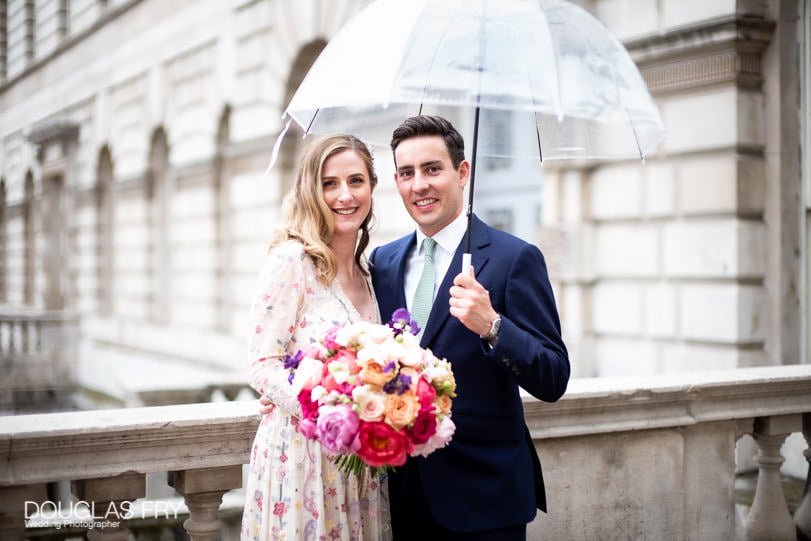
[(379, 445), (330, 384), (313, 351), (337, 429), (424, 427), (348, 359), (441, 437), (308, 407), (329, 339), (425, 393), (308, 428)]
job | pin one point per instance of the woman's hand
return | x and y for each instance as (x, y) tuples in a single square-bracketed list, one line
[(265, 405)]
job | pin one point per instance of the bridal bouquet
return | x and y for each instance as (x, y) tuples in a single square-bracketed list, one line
[(370, 393)]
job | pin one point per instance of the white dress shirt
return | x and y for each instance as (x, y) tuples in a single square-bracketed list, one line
[(447, 240)]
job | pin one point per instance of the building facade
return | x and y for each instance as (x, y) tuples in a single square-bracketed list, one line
[(135, 208)]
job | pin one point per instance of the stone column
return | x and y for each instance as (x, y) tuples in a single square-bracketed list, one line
[(203, 489), (769, 519), (13, 508), (107, 496), (802, 517)]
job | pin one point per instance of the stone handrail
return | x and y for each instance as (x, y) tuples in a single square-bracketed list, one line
[(628, 458)]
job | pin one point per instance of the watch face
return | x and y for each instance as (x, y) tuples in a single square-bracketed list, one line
[(494, 328)]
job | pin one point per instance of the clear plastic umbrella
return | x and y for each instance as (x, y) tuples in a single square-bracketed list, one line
[(549, 59)]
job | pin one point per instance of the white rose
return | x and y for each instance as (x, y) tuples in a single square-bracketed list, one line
[(373, 354), (307, 375), (318, 393), (375, 334), (371, 405), (412, 355)]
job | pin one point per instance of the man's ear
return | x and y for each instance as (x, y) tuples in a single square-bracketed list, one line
[(464, 173)]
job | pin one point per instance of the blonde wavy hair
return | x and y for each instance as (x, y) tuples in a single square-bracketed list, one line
[(308, 219)]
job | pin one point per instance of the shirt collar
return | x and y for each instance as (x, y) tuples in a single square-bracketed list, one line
[(448, 237)]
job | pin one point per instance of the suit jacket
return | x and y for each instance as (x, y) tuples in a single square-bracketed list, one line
[(489, 476)]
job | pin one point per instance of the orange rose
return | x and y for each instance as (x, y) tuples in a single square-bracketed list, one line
[(444, 403), (401, 409), (373, 374)]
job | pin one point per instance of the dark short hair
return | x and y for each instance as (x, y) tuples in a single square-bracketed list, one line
[(426, 125)]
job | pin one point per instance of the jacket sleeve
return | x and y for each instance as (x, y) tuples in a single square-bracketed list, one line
[(530, 345), (274, 316)]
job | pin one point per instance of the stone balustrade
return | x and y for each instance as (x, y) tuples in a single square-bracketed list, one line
[(623, 458), (37, 351)]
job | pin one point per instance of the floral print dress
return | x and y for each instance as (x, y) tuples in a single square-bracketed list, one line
[(294, 491)]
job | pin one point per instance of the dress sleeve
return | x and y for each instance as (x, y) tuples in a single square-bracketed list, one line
[(274, 316)]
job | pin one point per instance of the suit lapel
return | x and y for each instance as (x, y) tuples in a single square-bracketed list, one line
[(440, 312), (397, 263)]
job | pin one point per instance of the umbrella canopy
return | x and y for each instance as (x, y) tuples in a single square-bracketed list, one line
[(549, 59)]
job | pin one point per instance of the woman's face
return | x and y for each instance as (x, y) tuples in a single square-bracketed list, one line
[(347, 191)]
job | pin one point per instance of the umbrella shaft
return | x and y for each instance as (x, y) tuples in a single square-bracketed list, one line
[(472, 178)]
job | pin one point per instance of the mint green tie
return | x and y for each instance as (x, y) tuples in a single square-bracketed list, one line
[(424, 295)]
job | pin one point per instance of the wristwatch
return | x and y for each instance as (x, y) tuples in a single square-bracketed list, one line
[(492, 334)]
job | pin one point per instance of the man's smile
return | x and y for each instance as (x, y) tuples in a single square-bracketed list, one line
[(425, 202)]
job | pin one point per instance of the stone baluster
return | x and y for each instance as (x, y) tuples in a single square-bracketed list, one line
[(12, 346), (802, 517), (25, 337), (107, 496), (43, 331), (769, 518), (18, 503), (203, 489)]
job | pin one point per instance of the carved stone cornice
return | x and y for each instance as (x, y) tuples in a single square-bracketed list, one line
[(54, 130), (720, 51), (61, 132)]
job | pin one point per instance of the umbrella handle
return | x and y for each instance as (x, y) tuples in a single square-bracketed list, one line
[(466, 263)]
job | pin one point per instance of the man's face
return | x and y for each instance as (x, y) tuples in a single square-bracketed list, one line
[(429, 185)]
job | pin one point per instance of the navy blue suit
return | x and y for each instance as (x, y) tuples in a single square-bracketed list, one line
[(489, 476)]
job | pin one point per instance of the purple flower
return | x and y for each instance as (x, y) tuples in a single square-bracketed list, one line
[(291, 363), (389, 367), (337, 429), (401, 320), (400, 384)]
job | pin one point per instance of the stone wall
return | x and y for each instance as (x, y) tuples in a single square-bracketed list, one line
[(689, 261)]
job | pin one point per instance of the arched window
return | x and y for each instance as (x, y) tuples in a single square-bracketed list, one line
[(292, 144), (223, 230), (63, 19), (29, 38), (105, 232), (3, 245), (158, 213), (29, 267), (3, 41), (53, 220)]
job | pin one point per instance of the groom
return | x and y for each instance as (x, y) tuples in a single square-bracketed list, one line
[(499, 328)]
